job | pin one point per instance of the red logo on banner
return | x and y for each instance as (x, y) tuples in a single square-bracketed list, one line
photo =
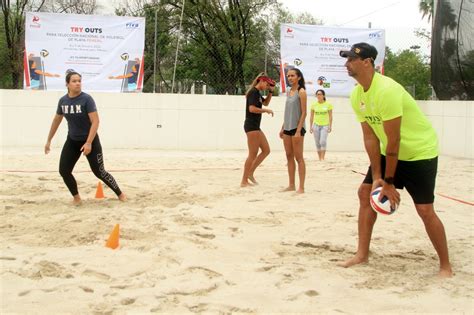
[(35, 19), (289, 30)]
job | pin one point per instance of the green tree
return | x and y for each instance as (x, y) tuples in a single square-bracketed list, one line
[(14, 31), (426, 8), (409, 68), (5, 76), (217, 39)]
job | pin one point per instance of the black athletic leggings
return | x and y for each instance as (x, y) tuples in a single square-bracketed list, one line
[(72, 152)]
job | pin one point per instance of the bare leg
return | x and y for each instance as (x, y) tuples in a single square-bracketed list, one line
[(298, 143), (319, 155), (323, 154), (253, 144), (435, 229), (367, 218), (265, 151), (290, 158)]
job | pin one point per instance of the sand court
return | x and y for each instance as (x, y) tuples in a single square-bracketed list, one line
[(193, 241)]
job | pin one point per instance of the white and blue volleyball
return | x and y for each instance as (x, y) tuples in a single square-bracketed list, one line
[(380, 206)]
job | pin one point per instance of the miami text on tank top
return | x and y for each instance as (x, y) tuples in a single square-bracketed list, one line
[(292, 111)]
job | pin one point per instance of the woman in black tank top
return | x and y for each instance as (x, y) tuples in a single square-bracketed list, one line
[(255, 137)]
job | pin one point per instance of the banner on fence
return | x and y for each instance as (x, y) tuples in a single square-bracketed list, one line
[(315, 51), (106, 50)]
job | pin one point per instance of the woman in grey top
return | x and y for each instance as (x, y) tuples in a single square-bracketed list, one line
[(293, 129)]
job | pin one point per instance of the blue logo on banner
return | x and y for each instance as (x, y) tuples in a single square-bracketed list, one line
[(131, 25)]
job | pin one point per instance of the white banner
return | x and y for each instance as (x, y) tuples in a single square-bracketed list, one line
[(315, 51), (106, 50)]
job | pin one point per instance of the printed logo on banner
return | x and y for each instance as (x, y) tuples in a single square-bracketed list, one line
[(131, 25), (324, 82), (289, 33), (375, 35), (35, 22), (298, 62)]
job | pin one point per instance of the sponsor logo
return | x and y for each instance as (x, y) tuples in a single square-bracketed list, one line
[(131, 25), (289, 33), (298, 62), (362, 106), (375, 35), (35, 22)]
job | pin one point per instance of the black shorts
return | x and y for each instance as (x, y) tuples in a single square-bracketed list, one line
[(292, 132), (418, 177), (249, 128)]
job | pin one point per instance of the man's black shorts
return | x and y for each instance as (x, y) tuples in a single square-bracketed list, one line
[(418, 177)]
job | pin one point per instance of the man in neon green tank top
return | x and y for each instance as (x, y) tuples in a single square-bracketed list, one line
[(402, 147)]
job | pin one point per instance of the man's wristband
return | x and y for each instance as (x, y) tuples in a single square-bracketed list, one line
[(389, 180)]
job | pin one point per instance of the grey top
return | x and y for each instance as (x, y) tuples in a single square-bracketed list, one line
[(76, 111), (292, 112)]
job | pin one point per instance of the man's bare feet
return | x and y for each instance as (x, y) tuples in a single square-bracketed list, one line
[(445, 273), (300, 191), (289, 188), (122, 197), (245, 184), (353, 261), (253, 180)]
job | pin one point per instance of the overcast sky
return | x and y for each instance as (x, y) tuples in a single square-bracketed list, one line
[(399, 18)]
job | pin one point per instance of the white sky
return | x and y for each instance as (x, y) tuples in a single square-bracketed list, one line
[(399, 18)]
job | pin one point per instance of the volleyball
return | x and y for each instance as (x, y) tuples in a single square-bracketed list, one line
[(380, 206)]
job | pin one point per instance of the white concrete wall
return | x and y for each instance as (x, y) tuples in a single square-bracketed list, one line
[(203, 122)]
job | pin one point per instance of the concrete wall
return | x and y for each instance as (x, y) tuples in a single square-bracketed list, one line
[(204, 122)]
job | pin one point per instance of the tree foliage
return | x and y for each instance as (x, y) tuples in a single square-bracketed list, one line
[(409, 68)]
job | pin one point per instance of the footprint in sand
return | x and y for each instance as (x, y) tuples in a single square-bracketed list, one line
[(127, 301), (208, 272), (204, 235), (93, 273), (7, 258), (310, 293), (86, 289)]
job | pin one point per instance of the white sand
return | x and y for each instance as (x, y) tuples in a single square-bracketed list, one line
[(192, 241)]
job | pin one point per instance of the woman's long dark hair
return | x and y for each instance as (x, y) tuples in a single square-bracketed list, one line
[(301, 80)]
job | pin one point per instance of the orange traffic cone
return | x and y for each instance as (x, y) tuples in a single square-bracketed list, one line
[(113, 241), (100, 191)]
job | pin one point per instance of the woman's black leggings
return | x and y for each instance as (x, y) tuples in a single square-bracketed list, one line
[(70, 155)]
